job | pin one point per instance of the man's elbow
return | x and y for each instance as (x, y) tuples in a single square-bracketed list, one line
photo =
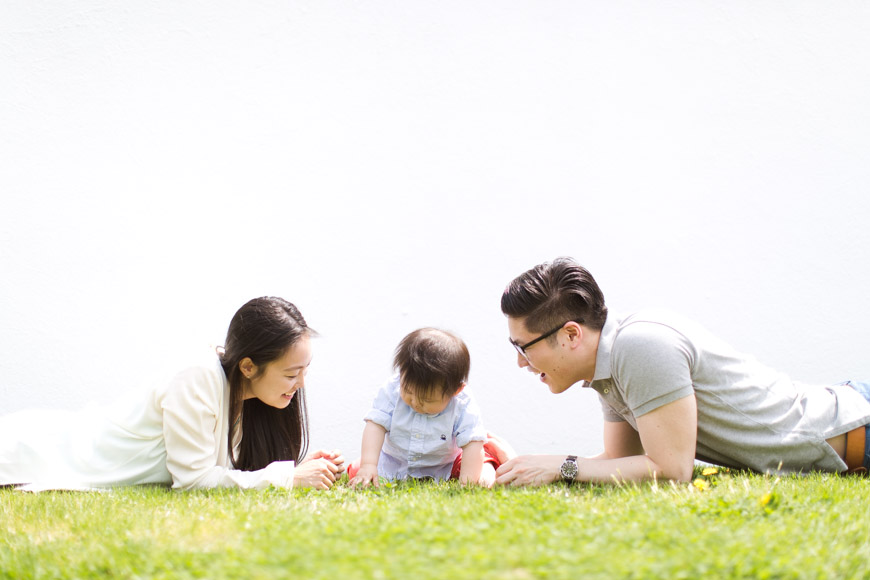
[(684, 475), (681, 473)]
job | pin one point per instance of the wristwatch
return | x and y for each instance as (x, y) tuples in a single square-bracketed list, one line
[(569, 469)]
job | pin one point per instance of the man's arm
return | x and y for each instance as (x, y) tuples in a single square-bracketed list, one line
[(620, 440), (667, 434)]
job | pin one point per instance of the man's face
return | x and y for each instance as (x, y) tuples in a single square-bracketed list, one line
[(554, 362)]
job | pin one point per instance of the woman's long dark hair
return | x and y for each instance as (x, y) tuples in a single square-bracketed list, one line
[(263, 329)]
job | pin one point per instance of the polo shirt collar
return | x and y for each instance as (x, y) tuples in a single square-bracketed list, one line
[(605, 346)]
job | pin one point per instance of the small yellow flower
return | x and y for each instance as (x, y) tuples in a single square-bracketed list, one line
[(766, 499), (701, 484), (710, 471)]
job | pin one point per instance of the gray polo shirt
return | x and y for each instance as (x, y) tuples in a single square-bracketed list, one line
[(748, 414)]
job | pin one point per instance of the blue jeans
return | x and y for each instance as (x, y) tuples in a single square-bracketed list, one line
[(864, 389)]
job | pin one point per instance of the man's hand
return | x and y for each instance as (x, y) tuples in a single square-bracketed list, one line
[(668, 435), (530, 470)]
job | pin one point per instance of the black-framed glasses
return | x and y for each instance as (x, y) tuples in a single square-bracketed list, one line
[(521, 348)]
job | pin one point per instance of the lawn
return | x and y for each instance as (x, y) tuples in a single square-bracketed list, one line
[(723, 526)]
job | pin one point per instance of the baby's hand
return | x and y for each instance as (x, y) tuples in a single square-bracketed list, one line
[(367, 474)]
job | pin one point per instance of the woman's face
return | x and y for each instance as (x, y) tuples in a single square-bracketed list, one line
[(278, 381)]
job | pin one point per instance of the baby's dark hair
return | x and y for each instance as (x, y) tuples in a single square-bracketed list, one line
[(432, 362)]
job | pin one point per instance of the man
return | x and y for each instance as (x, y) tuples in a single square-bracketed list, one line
[(670, 391)]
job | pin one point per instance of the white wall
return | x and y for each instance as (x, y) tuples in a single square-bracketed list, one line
[(389, 165)]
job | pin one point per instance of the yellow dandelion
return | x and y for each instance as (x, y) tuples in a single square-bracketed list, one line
[(766, 499), (701, 484), (710, 471)]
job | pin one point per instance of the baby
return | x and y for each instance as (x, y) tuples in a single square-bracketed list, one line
[(424, 422)]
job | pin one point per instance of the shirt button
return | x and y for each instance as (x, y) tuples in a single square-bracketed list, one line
[(606, 391)]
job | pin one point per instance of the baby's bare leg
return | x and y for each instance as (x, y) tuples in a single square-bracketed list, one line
[(487, 475)]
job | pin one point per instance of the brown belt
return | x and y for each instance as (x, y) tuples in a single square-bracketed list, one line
[(855, 450)]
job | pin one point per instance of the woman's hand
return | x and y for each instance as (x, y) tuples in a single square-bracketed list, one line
[(335, 457), (367, 474), (319, 473)]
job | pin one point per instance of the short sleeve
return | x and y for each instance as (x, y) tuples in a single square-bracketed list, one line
[(385, 403), (652, 366), (468, 425), (192, 414)]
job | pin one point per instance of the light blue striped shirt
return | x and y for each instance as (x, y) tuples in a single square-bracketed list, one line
[(419, 445)]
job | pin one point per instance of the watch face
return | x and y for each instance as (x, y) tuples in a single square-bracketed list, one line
[(569, 469)]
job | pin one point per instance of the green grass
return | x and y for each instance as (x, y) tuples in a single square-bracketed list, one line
[(740, 526)]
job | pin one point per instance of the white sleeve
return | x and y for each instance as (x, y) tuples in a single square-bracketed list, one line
[(191, 431)]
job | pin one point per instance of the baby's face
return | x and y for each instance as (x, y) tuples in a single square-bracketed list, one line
[(431, 406)]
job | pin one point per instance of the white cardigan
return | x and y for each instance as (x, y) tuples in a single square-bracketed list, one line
[(177, 434)]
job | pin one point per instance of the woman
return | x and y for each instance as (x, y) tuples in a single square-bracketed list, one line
[(237, 418)]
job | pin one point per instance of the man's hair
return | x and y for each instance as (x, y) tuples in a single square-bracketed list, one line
[(432, 362), (553, 293)]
